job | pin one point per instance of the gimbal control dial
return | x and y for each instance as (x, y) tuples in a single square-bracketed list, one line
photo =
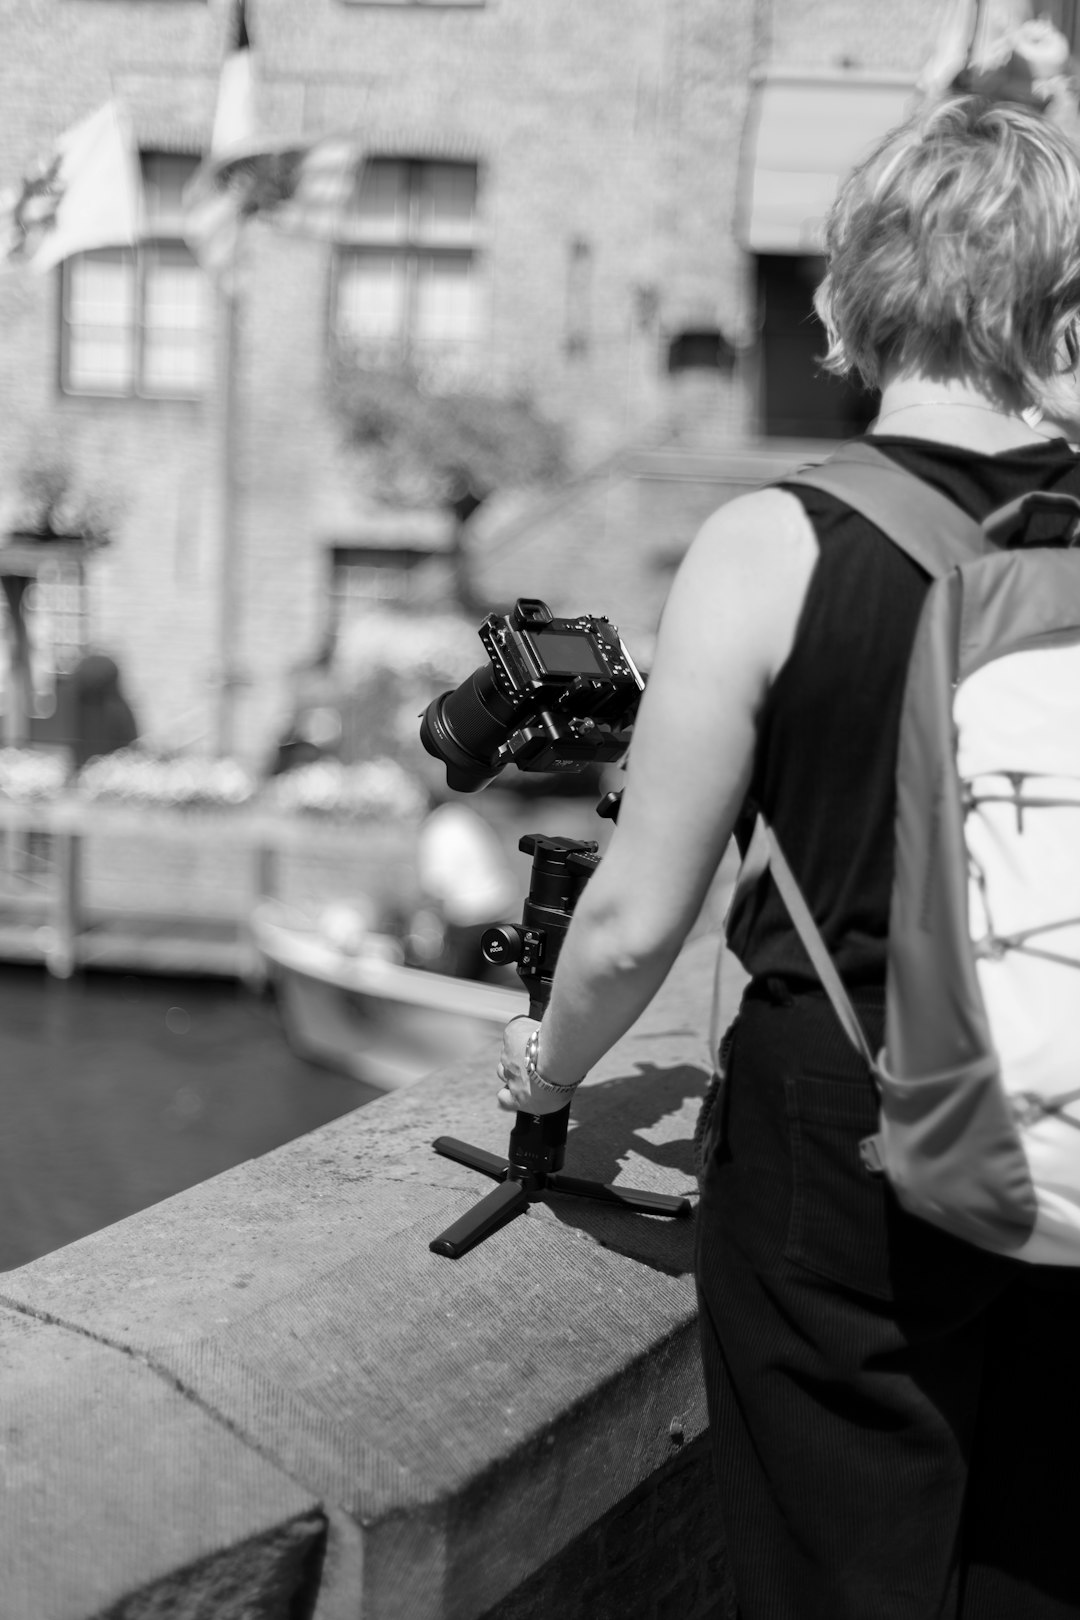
[(508, 942)]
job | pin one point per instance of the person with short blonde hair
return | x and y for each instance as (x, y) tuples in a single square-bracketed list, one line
[(891, 1410), (953, 253)]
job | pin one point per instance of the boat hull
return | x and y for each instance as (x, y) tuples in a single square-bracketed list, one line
[(379, 1022)]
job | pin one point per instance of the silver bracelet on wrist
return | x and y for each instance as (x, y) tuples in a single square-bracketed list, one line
[(533, 1075)]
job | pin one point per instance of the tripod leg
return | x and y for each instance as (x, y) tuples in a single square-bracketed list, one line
[(474, 1158), (644, 1203), (484, 1218)]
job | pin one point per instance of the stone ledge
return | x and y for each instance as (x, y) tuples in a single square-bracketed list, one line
[(121, 1494), (281, 1339)]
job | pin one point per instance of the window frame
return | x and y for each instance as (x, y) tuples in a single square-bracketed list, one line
[(412, 245), (61, 566), (131, 327), (402, 563), (163, 232), (66, 574)]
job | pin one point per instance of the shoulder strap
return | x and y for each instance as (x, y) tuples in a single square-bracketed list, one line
[(937, 535), (926, 525), (814, 946), (763, 853)]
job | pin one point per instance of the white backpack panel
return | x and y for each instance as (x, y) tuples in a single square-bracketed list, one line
[(1018, 755)]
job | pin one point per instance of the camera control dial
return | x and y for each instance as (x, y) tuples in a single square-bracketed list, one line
[(507, 942)]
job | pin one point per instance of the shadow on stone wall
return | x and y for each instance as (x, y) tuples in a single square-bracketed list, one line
[(609, 1139)]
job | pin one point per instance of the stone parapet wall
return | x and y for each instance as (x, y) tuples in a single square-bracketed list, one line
[(266, 1396), (659, 1555)]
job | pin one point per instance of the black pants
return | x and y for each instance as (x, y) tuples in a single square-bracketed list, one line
[(895, 1416)]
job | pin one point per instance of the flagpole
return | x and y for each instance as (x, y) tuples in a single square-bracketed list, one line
[(241, 175), (234, 121), (230, 325)]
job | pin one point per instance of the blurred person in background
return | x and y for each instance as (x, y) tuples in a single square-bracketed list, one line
[(312, 734), (466, 884), (102, 719)]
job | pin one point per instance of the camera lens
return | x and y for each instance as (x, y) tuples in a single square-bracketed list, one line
[(465, 727)]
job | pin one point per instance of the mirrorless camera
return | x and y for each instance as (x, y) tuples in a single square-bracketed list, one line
[(555, 695)]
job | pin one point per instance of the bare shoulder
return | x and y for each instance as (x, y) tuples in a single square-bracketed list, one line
[(767, 527), (745, 575)]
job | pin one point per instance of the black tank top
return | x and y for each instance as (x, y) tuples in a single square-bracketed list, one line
[(826, 751)]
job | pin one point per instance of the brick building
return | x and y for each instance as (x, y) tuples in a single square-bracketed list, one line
[(613, 205)]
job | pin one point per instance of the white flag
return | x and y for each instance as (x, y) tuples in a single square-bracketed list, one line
[(212, 203), (245, 173), (957, 21), (86, 194), (325, 181), (298, 186)]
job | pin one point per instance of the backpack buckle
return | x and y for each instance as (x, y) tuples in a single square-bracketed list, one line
[(871, 1155), (1042, 517)]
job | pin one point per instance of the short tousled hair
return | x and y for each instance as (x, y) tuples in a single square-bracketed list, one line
[(953, 250)]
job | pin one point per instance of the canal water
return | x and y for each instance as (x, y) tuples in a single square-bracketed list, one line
[(118, 1090)]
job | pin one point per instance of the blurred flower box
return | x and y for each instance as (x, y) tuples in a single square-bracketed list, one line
[(371, 791), (131, 778), (374, 790), (32, 776)]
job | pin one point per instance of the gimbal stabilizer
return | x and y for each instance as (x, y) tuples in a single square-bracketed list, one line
[(533, 1164)]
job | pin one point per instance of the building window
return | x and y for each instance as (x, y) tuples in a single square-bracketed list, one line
[(366, 578), (55, 607), (135, 322), (52, 609), (700, 349), (797, 399), (406, 283)]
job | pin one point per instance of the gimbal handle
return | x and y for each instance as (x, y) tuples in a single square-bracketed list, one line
[(561, 868)]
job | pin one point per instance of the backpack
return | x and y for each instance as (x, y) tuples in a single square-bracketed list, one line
[(979, 1077)]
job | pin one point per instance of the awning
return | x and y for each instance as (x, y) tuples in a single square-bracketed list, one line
[(23, 555), (804, 132)]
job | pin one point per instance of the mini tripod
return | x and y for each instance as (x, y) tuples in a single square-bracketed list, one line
[(533, 1164)]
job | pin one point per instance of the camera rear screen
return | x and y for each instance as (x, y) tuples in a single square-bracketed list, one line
[(567, 655)]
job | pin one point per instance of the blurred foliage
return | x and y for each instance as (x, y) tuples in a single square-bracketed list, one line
[(384, 670), (446, 446), (421, 440), (54, 500), (27, 775), (433, 649)]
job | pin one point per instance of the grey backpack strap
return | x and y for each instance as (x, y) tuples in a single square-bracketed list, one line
[(926, 525), (815, 947), (933, 531)]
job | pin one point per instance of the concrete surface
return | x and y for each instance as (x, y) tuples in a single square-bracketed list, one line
[(124, 1496), (281, 1338)]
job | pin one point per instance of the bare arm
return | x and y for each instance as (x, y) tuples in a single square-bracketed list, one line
[(727, 628)]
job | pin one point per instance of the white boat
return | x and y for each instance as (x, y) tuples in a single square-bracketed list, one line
[(357, 1009)]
